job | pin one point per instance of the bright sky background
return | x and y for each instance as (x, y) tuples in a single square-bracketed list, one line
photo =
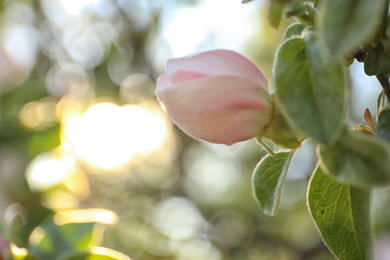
[(75, 6), (210, 24)]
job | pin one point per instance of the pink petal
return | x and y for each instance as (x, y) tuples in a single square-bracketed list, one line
[(163, 81), (212, 95), (229, 127), (219, 109), (214, 63)]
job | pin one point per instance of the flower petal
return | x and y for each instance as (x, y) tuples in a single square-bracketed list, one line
[(212, 95), (226, 128), (214, 63), (219, 109), (163, 81)]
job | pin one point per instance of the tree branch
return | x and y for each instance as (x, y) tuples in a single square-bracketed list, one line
[(385, 85)]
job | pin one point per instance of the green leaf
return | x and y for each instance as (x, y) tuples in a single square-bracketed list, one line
[(341, 214), (295, 29), (266, 147), (268, 181), (384, 59), (383, 129), (371, 61), (377, 62), (303, 11), (275, 13), (310, 88), (347, 24), (382, 102), (281, 133), (58, 239), (384, 120), (357, 159)]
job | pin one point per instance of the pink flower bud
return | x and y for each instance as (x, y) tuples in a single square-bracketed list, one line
[(218, 96)]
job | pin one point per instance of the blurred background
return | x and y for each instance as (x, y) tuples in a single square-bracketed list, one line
[(91, 165)]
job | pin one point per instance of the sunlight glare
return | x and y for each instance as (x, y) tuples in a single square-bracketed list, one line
[(46, 171), (58, 200), (103, 216), (109, 252), (18, 251), (107, 136)]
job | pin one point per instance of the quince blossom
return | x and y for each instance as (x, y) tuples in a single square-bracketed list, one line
[(218, 96)]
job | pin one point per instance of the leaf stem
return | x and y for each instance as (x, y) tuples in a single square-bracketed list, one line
[(385, 85), (267, 148)]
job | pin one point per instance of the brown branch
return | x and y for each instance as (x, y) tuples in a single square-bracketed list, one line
[(385, 85)]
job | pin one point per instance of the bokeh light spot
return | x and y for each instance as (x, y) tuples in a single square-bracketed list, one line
[(75, 6), (38, 114), (46, 171), (86, 215), (21, 53), (212, 178), (107, 136), (18, 251), (109, 252), (36, 236), (178, 218), (58, 200)]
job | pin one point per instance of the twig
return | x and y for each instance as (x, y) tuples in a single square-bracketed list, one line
[(385, 85)]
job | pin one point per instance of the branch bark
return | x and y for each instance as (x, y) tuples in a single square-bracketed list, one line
[(385, 85)]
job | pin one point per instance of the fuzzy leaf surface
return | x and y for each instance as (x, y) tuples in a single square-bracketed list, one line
[(310, 88), (357, 159), (294, 30), (341, 214), (268, 181)]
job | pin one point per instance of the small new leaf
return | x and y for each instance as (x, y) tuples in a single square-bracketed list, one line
[(382, 102), (368, 119), (341, 214), (268, 181), (295, 29), (275, 13)]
